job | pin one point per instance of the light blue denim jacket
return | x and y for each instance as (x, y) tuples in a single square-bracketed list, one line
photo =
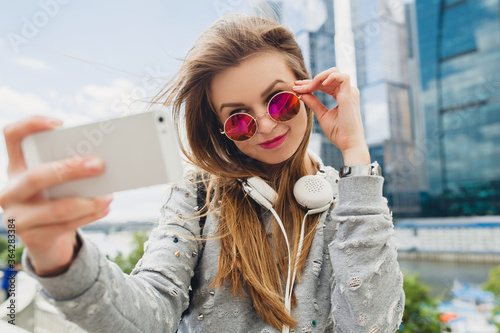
[(350, 282)]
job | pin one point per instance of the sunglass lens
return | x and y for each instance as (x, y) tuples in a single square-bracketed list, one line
[(284, 106), (240, 127)]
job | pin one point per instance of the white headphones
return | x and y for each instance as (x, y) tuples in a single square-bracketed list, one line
[(312, 192)]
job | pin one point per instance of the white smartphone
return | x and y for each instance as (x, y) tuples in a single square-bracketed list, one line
[(138, 150)]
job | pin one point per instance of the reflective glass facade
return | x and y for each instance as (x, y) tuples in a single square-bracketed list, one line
[(321, 51), (318, 49), (459, 51), (381, 58)]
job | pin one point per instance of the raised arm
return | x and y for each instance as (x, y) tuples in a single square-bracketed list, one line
[(367, 295), (98, 296)]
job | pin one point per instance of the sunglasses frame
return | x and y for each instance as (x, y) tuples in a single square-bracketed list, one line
[(255, 118)]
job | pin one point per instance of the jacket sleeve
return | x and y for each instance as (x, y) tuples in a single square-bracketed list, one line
[(367, 293), (95, 294)]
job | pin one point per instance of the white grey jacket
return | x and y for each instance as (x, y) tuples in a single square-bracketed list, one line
[(351, 282)]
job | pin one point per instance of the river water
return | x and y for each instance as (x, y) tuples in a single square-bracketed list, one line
[(440, 275)]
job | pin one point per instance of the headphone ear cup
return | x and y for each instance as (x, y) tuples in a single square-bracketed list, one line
[(263, 189), (313, 192)]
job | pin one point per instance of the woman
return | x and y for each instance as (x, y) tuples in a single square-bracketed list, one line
[(248, 109)]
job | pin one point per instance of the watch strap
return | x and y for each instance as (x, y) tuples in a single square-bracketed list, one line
[(372, 169)]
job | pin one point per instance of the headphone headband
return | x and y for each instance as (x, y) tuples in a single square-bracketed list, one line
[(312, 192)]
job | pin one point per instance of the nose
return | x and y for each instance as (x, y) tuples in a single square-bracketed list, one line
[(265, 124)]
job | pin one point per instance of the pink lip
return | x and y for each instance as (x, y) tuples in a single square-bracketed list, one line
[(276, 142)]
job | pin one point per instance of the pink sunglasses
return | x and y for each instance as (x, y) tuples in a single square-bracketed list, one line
[(282, 107)]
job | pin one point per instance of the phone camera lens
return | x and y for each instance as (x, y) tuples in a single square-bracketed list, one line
[(160, 119)]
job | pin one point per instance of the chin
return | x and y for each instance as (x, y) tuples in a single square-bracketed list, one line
[(275, 157)]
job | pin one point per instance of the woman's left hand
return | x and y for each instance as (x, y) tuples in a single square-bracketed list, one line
[(342, 124)]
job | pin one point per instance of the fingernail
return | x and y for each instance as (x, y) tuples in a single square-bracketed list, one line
[(107, 198), (93, 163), (53, 122), (105, 210), (296, 87)]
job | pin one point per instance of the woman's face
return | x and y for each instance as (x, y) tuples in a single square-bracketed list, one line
[(248, 87)]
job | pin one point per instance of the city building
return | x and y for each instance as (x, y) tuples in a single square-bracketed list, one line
[(381, 47), (381, 56), (316, 35), (458, 52)]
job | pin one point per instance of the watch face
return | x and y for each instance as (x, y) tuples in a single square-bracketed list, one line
[(371, 169), (344, 171), (376, 169)]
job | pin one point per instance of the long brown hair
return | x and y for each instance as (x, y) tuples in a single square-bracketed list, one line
[(246, 253)]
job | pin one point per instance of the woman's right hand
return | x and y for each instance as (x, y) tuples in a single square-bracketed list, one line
[(47, 228)]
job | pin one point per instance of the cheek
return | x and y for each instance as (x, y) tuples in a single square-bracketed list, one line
[(301, 120), (245, 145), (241, 145), (248, 148)]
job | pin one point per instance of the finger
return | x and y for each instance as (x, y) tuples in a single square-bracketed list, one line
[(57, 211), (336, 78), (48, 174), (301, 89), (302, 82), (336, 84), (315, 105), (316, 83), (80, 222), (339, 85), (49, 231), (15, 132)]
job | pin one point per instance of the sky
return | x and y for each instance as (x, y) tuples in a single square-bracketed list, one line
[(83, 61)]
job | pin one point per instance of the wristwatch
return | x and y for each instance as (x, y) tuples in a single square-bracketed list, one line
[(361, 170)]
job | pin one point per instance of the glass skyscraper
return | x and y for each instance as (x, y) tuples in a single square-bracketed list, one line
[(459, 55), (382, 71), (319, 50), (322, 57), (382, 76), (316, 40)]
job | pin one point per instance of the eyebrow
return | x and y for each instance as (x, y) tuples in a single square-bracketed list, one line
[(264, 94)]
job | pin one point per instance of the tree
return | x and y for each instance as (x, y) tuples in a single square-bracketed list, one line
[(4, 252), (421, 314), (3, 245), (493, 285), (128, 263)]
